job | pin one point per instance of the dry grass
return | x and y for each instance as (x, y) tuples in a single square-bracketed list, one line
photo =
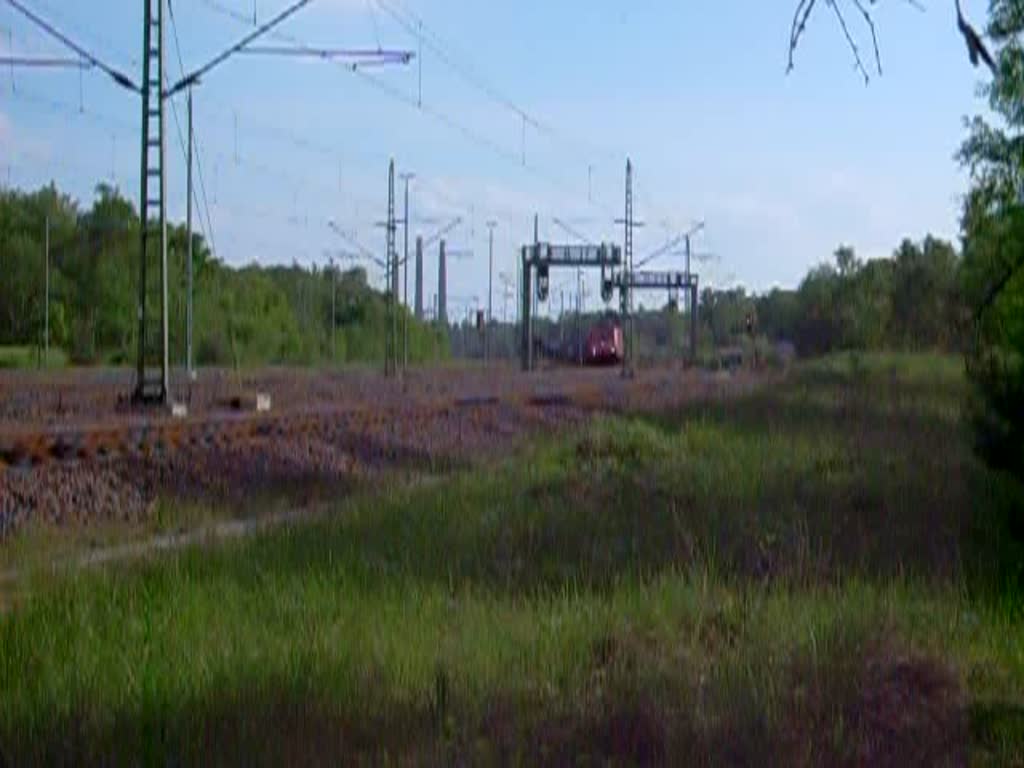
[(791, 579)]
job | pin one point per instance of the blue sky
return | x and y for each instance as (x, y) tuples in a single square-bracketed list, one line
[(781, 168)]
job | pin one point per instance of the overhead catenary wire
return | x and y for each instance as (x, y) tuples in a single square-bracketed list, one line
[(81, 110), (117, 76), (117, 129), (415, 26), (51, 62), (287, 134), (42, 159), (368, 56), (112, 50), (418, 28), (207, 230), (413, 102), (373, 18), (561, 224), (440, 115), (196, 75), (293, 137)]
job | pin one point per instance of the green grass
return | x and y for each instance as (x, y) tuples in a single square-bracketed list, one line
[(32, 357), (813, 575)]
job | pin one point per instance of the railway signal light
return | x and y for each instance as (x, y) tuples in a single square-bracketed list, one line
[(543, 283)]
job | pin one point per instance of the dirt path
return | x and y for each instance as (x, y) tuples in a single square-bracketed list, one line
[(167, 542)]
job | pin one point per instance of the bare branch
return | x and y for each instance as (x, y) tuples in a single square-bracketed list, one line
[(849, 40), (874, 33), (800, 17), (865, 8)]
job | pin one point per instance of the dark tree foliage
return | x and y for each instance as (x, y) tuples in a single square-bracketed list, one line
[(908, 302), (250, 315), (993, 229)]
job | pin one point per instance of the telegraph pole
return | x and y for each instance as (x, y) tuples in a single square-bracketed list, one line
[(442, 286), (334, 312), (188, 227), (419, 278), (626, 289), (391, 353), (627, 359), (561, 314), (46, 302), (406, 177), (152, 349), (579, 314), (490, 288)]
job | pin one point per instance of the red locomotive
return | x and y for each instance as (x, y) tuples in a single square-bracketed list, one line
[(604, 344)]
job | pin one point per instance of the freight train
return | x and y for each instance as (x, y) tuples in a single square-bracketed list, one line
[(603, 345)]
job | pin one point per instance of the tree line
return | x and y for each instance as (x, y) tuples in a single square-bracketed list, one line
[(991, 271), (242, 316), (911, 301)]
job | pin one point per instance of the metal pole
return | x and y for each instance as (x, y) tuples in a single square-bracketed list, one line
[(490, 289), (189, 367), (519, 291), (334, 312), (690, 305), (534, 304), (524, 311), (694, 320), (579, 314), (561, 314), (155, 390), (405, 273), (442, 285), (687, 257), (405, 278), (533, 294), (627, 288), (46, 302), (165, 363), (419, 278), (391, 354), (140, 359)]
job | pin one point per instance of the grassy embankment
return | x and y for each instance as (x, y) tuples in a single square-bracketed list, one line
[(817, 574), (32, 357)]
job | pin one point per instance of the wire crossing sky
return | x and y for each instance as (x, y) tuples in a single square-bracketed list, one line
[(507, 109)]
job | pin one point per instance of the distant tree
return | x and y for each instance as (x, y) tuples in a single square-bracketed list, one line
[(23, 220), (925, 294), (778, 313), (723, 313), (908, 302), (254, 315), (992, 274), (846, 261), (817, 329), (872, 300)]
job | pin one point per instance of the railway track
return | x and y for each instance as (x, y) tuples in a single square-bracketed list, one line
[(322, 440), (27, 448), (140, 437)]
